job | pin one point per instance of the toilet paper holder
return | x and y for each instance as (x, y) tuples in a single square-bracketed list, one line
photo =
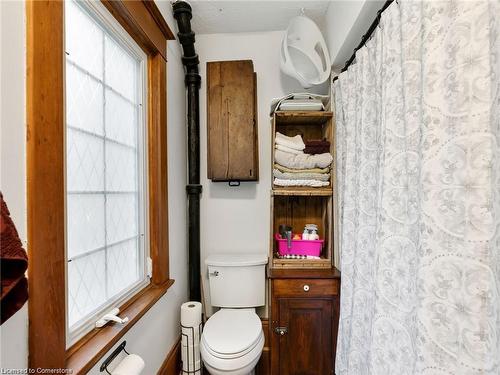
[(112, 356), (188, 337)]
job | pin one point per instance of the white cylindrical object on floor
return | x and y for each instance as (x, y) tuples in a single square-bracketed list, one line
[(132, 364), (191, 334), (190, 354), (191, 314)]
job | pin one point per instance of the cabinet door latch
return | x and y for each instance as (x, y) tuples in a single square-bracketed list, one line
[(281, 330)]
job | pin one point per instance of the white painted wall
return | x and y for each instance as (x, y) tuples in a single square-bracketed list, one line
[(14, 332), (345, 24), (153, 336)]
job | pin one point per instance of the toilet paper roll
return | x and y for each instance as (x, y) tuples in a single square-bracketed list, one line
[(190, 354), (191, 314), (194, 366), (190, 336), (188, 340), (132, 364)]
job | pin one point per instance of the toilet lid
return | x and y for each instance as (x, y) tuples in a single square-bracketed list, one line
[(231, 331)]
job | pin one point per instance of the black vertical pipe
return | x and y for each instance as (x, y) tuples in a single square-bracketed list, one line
[(183, 15)]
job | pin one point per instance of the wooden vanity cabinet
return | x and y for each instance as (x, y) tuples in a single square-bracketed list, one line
[(304, 321)]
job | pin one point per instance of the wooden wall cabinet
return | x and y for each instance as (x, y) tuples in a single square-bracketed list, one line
[(304, 322), (233, 153)]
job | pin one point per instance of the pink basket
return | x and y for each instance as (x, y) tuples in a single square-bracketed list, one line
[(299, 247)]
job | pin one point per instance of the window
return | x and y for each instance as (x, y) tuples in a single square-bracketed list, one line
[(106, 210), (96, 173)]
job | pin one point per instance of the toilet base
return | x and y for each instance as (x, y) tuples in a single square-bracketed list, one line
[(247, 370)]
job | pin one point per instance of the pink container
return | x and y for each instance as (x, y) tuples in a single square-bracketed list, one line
[(299, 247)]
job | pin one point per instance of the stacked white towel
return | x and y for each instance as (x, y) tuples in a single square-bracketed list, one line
[(294, 143), (302, 161), (311, 183), (302, 169)]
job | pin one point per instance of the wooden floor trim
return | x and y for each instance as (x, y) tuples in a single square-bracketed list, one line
[(172, 364), (263, 366)]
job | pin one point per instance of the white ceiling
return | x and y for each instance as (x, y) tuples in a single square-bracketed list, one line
[(236, 16)]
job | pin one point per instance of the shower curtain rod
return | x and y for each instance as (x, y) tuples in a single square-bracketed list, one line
[(365, 38)]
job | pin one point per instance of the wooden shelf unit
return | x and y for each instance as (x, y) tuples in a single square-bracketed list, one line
[(311, 125), (298, 206), (297, 211), (304, 294), (312, 192)]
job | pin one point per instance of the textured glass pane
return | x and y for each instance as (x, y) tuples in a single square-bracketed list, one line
[(84, 101), (84, 40), (121, 168), (85, 224), (121, 119), (121, 217), (120, 69), (84, 162), (86, 285), (123, 266), (104, 246)]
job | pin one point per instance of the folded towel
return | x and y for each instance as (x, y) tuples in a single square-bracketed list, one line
[(311, 170), (302, 161), (317, 146), (317, 142), (295, 142), (288, 149), (311, 183), (14, 263), (301, 176), (313, 150)]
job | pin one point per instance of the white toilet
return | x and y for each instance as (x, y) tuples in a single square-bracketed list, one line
[(232, 339)]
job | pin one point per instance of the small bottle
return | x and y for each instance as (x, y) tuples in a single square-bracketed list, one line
[(305, 235)]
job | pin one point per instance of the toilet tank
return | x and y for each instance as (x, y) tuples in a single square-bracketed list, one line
[(237, 280)]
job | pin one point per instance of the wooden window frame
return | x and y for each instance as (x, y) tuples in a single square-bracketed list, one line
[(45, 181)]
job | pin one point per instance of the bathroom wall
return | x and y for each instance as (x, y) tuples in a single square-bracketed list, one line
[(14, 332), (153, 336), (237, 219), (345, 23)]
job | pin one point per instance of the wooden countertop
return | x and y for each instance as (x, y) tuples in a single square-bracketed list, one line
[(303, 273)]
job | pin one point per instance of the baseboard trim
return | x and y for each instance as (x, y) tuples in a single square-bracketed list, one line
[(172, 364)]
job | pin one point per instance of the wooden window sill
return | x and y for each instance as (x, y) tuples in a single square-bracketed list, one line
[(85, 353)]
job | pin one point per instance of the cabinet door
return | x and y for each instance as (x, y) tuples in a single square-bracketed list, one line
[(231, 121), (307, 346)]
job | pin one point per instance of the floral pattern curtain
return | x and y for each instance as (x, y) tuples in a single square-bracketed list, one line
[(418, 118)]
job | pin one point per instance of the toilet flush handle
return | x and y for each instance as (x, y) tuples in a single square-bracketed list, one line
[(215, 273)]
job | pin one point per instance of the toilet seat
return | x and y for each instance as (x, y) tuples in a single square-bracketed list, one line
[(232, 340), (229, 333)]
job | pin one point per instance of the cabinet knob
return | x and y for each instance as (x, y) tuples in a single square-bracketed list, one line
[(281, 330), (306, 288)]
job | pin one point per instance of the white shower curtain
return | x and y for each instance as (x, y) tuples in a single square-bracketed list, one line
[(418, 118)]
